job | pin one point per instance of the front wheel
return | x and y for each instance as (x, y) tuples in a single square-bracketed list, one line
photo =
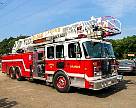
[(61, 82)]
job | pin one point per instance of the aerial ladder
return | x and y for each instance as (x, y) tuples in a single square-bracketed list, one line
[(95, 28)]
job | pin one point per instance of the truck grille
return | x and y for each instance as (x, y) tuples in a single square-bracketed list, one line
[(106, 67)]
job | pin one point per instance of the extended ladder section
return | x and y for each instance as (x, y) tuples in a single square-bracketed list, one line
[(96, 28)]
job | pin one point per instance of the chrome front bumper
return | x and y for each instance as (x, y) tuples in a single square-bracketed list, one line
[(104, 83)]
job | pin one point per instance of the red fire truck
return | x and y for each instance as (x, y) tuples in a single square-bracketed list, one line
[(73, 55)]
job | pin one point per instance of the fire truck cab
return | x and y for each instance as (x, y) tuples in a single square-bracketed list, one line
[(84, 63)]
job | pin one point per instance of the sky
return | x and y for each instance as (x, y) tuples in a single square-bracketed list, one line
[(28, 17)]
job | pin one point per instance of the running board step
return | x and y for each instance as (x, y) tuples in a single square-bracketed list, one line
[(39, 78)]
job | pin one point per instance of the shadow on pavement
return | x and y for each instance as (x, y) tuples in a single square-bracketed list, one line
[(105, 92), (36, 81), (100, 93), (5, 103)]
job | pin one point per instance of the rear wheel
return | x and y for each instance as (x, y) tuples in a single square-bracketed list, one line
[(18, 74), (61, 82), (12, 74)]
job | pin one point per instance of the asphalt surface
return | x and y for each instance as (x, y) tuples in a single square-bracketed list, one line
[(25, 94)]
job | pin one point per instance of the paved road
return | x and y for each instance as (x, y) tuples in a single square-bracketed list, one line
[(24, 94)]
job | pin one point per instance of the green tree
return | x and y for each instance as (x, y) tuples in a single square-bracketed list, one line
[(7, 44), (124, 46)]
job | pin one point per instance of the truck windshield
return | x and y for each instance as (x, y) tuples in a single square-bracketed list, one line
[(97, 49)]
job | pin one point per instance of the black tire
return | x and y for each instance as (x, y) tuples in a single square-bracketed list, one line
[(18, 74), (12, 74), (61, 82)]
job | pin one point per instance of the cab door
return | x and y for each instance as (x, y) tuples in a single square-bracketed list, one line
[(74, 58), (50, 59), (54, 57), (59, 56)]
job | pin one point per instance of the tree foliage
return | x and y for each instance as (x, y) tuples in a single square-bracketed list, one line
[(124, 46), (7, 44)]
